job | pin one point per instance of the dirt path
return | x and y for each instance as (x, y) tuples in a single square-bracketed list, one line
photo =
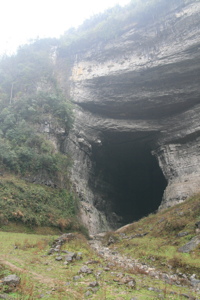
[(112, 258), (38, 277), (136, 267)]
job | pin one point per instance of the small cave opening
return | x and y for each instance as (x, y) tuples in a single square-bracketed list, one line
[(129, 183)]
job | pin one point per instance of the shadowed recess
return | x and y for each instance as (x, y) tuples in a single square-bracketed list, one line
[(128, 180)]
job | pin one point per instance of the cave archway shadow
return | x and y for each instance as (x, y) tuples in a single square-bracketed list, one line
[(130, 182)]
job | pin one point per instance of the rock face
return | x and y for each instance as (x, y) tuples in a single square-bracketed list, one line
[(136, 139)]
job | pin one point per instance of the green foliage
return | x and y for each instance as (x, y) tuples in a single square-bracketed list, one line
[(31, 100), (35, 205), (39, 271), (8, 156), (39, 159), (28, 87), (30, 97), (56, 105), (23, 70), (24, 150)]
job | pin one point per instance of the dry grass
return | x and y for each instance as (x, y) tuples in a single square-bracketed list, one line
[(26, 289), (160, 246), (176, 261), (33, 264)]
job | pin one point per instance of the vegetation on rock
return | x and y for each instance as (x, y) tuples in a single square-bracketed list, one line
[(164, 233), (31, 101), (113, 22), (30, 98), (35, 117), (36, 205)]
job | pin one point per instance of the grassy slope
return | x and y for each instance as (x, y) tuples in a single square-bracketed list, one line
[(160, 246), (32, 205), (42, 275)]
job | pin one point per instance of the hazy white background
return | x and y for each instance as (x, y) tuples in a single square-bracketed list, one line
[(23, 20)]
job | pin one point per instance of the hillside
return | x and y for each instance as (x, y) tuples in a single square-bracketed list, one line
[(35, 117), (139, 261), (99, 158)]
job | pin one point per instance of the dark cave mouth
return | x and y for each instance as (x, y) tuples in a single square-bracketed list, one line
[(129, 183)]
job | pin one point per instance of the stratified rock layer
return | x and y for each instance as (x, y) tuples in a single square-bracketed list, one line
[(142, 89)]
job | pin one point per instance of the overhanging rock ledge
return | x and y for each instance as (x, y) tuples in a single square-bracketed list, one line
[(137, 128)]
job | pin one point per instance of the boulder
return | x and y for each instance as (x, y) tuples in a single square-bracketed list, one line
[(11, 280), (191, 245), (85, 270)]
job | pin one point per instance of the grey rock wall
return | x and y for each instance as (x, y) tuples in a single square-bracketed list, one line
[(144, 84)]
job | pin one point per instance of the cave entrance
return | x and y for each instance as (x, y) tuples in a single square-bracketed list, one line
[(128, 180)]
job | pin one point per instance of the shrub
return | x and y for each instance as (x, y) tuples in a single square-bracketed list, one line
[(36, 205)]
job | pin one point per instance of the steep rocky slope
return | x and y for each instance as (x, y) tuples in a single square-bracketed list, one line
[(135, 143)]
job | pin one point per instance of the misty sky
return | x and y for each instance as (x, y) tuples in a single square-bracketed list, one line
[(23, 20)]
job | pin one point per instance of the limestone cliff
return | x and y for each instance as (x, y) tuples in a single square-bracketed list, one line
[(137, 105)]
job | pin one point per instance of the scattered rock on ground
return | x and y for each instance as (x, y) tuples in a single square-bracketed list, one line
[(154, 290), (77, 277), (195, 282), (94, 290), (134, 264), (79, 256), (56, 246), (93, 284), (85, 270), (131, 284), (181, 234), (197, 224), (137, 235), (70, 256), (58, 258), (111, 240), (88, 293), (92, 262)]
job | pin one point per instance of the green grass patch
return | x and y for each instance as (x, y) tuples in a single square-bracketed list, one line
[(42, 275), (159, 247), (35, 205)]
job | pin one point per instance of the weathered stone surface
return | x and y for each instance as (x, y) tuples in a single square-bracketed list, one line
[(70, 256), (64, 238), (79, 256), (195, 282), (191, 245), (59, 258), (181, 234), (197, 224), (77, 277), (142, 89), (93, 284), (85, 270), (11, 280)]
